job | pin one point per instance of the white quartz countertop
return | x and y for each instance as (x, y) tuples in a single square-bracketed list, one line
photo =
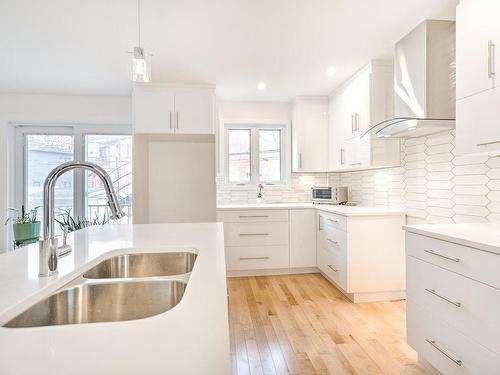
[(337, 209), (191, 338), (482, 236)]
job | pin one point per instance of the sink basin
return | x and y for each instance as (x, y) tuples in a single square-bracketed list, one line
[(103, 302), (143, 265)]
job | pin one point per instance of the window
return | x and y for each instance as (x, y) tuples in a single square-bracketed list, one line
[(255, 154), (39, 149)]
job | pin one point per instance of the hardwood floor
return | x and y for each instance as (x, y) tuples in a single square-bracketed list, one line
[(301, 324)]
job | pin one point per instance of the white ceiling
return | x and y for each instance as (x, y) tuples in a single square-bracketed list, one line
[(79, 46)]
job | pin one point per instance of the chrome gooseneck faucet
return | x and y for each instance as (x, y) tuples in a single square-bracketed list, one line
[(48, 247)]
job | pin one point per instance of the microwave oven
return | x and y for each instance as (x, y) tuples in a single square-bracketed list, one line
[(329, 195)]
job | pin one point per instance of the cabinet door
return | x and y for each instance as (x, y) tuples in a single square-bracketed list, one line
[(335, 136), (478, 123), (310, 135), (477, 25), (194, 111), (357, 154), (361, 102), (303, 238), (153, 109)]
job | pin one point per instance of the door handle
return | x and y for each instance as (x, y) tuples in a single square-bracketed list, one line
[(491, 59), (170, 119), (177, 120)]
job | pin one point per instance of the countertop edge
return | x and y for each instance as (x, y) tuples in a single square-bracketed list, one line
[(453, 239)]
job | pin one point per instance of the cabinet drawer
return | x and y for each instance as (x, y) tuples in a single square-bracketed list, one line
[(332, 220), (252, 216), (333, 266), (259, 257), (333, 240), (467, 305), (476, 264), (255, 234), (448, 346)]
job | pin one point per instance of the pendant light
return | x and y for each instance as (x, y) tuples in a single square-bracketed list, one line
[(140, 70)]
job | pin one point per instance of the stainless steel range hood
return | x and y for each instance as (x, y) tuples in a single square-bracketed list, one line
[(424, 83)]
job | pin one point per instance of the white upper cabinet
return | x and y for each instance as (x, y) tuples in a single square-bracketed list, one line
[(169, 109), (310, 134), (478, 80), (360, 103), (478, 35)]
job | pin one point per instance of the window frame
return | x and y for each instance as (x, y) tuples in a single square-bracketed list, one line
[(254, 127), (78, 131)]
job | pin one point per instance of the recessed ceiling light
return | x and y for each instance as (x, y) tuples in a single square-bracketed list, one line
[(330, 71), (261, 86)]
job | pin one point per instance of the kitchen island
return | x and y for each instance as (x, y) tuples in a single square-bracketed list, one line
[(190, 338)]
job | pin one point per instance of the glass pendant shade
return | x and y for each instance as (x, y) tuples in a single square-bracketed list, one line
[(141, 66)]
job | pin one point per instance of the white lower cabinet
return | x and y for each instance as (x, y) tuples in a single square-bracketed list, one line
[(363, 255), (261, 240), (302, 238), (453, 305)]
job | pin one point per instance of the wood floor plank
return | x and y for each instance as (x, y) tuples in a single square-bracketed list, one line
[(301, 324)]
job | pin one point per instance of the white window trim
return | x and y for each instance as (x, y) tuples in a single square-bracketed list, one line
[(78, 131), (226, 124)]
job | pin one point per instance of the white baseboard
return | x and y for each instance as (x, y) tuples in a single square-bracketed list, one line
[(429, 369), (369, 296), (271, 272)]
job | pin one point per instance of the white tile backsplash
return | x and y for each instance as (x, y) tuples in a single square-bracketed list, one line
[(433, 184)]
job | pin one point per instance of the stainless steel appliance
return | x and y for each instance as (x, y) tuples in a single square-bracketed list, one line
[(424, 83), (329, 195)]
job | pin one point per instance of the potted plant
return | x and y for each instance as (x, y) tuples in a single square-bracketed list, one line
[(259, 194), (71, 224), (25, 225)]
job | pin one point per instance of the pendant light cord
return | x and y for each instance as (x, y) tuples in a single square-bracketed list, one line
[(139, 21)]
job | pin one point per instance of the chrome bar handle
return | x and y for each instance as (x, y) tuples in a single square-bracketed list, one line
[(319, 223), (433, 292), (177, 120), (488, 143), (170, 119), (332, 241), (254, 234), (432, 252), (254, 258), (332, 220), (356, 121), (342, 151), (491, 59), (353, 126), (331, 267), (300, 160), (457, 361)]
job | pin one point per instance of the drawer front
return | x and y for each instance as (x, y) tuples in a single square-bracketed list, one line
[(332, 220), (443, 346), (256, 234), (476, 264), (255, 258), (252, 216), (333, 266), (470, 307), (333, 240)]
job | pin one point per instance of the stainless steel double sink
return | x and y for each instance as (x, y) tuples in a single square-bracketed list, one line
[(123, 287)]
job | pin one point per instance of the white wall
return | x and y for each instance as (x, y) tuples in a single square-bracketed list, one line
[(27, 109), (254, 110)]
